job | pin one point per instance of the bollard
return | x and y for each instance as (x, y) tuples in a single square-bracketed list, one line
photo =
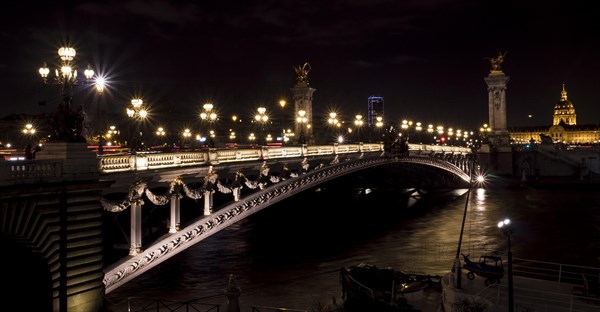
[(233, 293)]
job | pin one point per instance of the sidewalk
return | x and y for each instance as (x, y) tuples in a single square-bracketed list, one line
[(528, 293)]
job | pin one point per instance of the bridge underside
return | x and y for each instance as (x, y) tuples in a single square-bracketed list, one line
[(422, 176)]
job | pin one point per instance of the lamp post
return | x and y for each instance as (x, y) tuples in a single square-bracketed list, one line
[(483, 131), (405, 126), (208, 114), (379, 125), (234, 128), (358, 122), (100, 85), (261, 117), (69, 125), (186, 134), (111, 135), (28, 129), (138, 113), (282, 104), (160, 134), (504, 225), (440, 133), (301, 119), (333, 121), (457, 264)]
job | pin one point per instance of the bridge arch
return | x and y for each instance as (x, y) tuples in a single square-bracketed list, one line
[(55, 229), (171, 244), (26, 273)]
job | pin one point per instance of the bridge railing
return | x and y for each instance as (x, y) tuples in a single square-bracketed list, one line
[(143, 161), (31, 171)]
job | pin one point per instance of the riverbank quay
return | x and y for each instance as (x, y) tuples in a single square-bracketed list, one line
[(427, 300), (537, 286)]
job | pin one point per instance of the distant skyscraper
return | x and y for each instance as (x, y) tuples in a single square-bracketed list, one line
[(375, 109)]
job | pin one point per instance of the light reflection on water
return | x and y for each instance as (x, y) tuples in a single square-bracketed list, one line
[(289, 255)]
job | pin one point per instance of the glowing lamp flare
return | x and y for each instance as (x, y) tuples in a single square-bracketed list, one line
[(505, 222)]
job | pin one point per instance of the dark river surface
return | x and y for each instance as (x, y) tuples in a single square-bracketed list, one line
[(289, 254)]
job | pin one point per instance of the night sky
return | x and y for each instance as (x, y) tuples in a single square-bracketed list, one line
[(425, 57)]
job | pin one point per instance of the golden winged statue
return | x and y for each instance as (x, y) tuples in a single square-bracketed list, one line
[(302, 72), (496, 62)]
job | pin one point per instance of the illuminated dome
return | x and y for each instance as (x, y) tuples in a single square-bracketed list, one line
[(564, 111)]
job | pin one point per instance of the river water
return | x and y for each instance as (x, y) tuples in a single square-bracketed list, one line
[(289, 254)]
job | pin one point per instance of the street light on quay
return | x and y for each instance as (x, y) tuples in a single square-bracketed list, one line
[(138, 113), (302, 119), (504, 226)]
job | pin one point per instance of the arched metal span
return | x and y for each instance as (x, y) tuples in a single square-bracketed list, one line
[(171, 244)]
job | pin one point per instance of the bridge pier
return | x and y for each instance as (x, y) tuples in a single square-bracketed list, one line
[(58, 227)]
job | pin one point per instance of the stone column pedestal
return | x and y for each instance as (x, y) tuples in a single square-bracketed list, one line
[(79, 163)]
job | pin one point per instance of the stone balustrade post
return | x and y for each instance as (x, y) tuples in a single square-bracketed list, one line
[(174, 217), (208, 202), (135, 240)]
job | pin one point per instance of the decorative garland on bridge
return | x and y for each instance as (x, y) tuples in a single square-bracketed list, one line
[(211, 185)]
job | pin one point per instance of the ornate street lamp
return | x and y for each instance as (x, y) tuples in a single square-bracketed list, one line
[(29, 129), (160, 134), (138, 113), (208, 114), (301, 119), (333, 122), (234, 128), (100, 84), (484, 131), (379, 125), (111, 135), (68, 124), (262, 119), (282, 104), (358, 122)]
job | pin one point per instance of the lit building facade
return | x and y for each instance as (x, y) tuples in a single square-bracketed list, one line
[(564, 128), (374, 109)]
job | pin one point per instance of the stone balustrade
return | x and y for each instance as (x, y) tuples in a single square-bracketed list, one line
[(31, 171)]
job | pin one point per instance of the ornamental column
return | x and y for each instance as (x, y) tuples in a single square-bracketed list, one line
[(135, 240), (302, 94), (496, 82), (175, 208), (496, 154)]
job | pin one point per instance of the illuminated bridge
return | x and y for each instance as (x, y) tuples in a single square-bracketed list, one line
[(56, 208)]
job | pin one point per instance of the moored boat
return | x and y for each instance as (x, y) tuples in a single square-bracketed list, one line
[(366, 287)]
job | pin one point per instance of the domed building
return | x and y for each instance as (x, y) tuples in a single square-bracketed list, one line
[(564, 127)]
